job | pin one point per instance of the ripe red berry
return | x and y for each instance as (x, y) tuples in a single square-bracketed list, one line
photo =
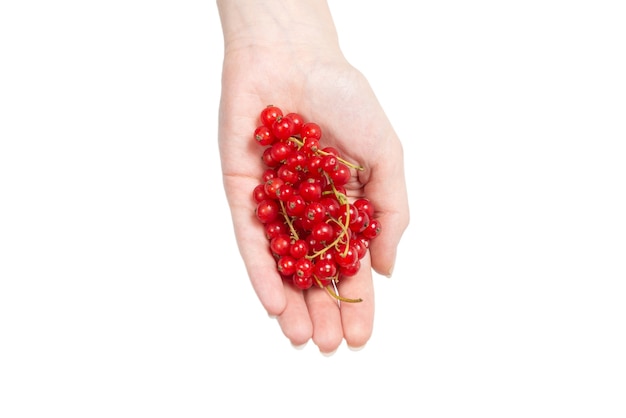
[(267, 158), (302, 282), (286, 265), (304, 267), (264, 136), (351, 269), (280, 244), (259, 193), (295, 205), (299, 248), (269, 115), (280, 151), (298, 121), (311, 191), (373, 229), (323, 233), (267, 210), (315, 212), (311, 130), (325, 269), (283, 128), (272, 186), (275, 228), (365, 205)]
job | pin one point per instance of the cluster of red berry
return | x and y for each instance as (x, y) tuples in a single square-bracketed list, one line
[(316, 234)]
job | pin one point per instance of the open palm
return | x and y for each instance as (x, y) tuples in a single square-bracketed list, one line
[(330, 92)]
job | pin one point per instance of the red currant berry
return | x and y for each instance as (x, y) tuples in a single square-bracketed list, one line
[(350, 270), (295, 205), (365, 205), (314, 167), (272, 186), (331, 151), (323, 233), (296, 161), (267, 210), (310, 191), (288, 175), (315, 212), (298, 121), (373, 229), (269, 174), (310, 145), (340, 175), (325, 269), (304, 267), (299, 248), (280, 151), (285, 192), (329, 163), (259, 193), (286, 265), (269, 114), (361, 244), (332, 206), (346, 256), (264, 136), (275, 228), (348, 213), (302, 282), (267, 158), (311, 130), (280, 244), (360, 222), (283, 128)]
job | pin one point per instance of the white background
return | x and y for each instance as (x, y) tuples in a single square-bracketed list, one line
[(122, 293)]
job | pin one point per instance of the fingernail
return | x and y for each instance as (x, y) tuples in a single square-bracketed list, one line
[(356, 348), (328, 354), (272, 316), (299, 347), (388, 275)]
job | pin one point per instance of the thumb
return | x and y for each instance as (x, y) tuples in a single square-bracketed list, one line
[(386, 189)]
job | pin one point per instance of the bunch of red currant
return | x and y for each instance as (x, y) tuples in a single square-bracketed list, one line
[(316, 234)]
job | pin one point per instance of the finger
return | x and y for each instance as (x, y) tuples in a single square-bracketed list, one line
[(326, 319), (253, 247), (295, 321), (358, 318)]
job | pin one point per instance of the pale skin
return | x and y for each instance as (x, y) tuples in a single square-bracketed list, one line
[(286, 53)]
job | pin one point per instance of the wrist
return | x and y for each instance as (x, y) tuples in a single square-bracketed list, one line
[(306, 24)]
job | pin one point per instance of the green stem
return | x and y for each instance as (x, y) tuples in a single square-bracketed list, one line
[(288, 220)]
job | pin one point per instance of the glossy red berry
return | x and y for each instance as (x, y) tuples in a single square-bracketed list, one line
[(280, 244), (365, 205), (267, 210), (259, 193), (299, 248), (264, 136), (373, 229), (283, 128), (269, 115), (298, 121), (311, 130), (302, 282), (295, 205), (286, 265), (340, 175), (280, 151)]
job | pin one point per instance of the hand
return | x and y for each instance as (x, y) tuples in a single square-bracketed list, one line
[(299, 67)]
